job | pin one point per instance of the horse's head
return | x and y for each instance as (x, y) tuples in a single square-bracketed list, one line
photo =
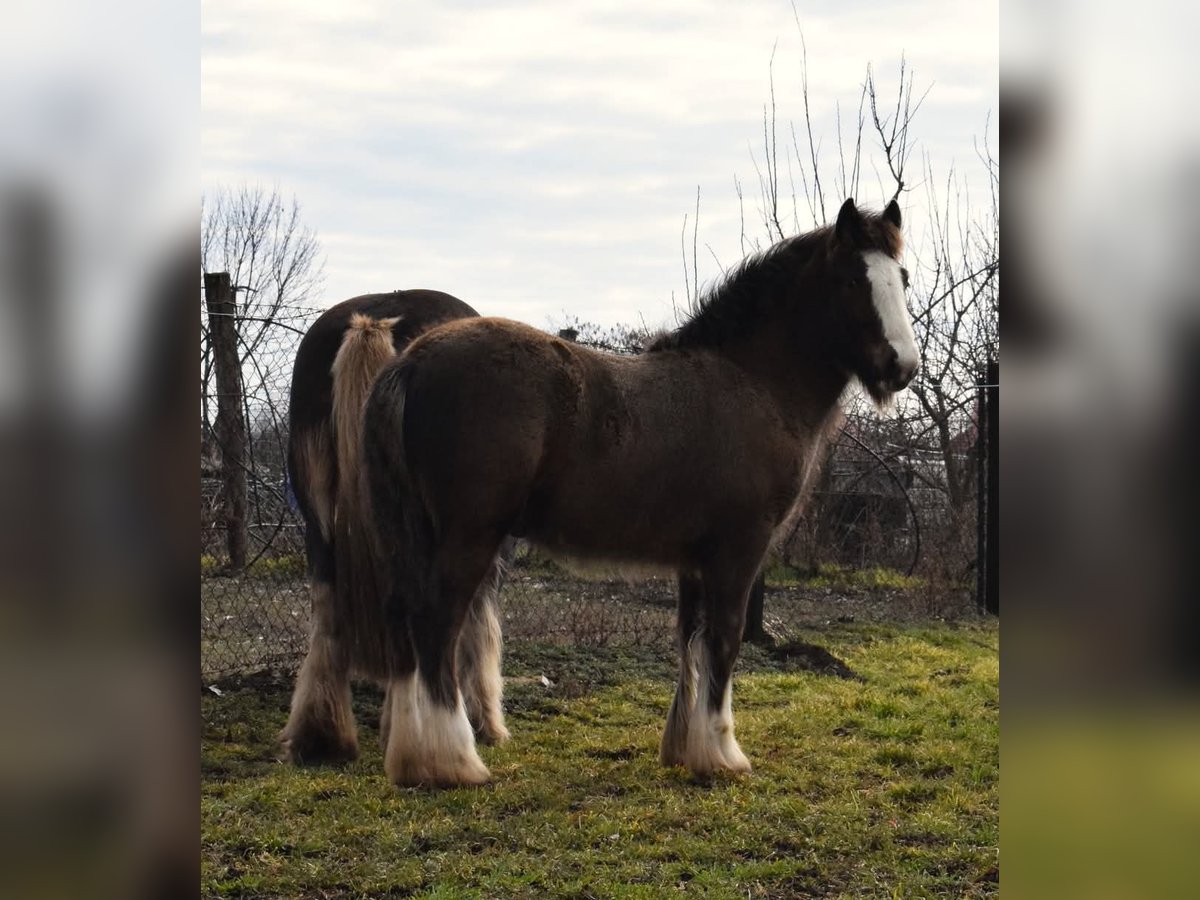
[(865, 289)]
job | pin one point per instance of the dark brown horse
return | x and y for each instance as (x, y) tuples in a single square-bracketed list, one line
[(687, 457), (337, 362)]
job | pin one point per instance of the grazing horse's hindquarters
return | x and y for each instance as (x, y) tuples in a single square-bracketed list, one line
[(687, 458), (336, 364)]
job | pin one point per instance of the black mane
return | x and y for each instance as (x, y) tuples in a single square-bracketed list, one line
[(736, 305)]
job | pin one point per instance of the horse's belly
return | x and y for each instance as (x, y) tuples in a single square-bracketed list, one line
[(609, 550), (592, 519)]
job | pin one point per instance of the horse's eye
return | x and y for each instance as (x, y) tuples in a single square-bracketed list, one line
[(904, 277)]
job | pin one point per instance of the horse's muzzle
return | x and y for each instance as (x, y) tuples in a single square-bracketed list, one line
[(904, 375), (897, 375)]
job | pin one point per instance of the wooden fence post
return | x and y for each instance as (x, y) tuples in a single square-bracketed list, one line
[(230, 426)]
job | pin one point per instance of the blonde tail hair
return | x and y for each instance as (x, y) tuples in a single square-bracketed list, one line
[(365, 350)]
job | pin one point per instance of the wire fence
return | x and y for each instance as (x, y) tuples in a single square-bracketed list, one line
[(882, 505)]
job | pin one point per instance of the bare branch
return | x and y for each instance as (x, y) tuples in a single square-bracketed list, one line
[(812, 146), (687, 288), (695, 231)]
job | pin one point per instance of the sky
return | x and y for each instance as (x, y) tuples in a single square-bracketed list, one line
[(537, 159)]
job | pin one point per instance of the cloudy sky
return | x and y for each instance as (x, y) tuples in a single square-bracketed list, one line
[(537, 158)]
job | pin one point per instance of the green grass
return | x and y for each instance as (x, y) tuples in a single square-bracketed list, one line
[(287, 565), (884, 787), (829, 575)]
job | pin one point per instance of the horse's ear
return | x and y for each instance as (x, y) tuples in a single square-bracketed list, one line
[(849, 223), (892, 213)]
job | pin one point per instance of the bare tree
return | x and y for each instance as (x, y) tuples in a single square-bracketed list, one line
[(276, 268), (623, 339), (274, 259), (956, 291), (954, 267)]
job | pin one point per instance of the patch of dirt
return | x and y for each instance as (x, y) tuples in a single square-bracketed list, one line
[(789, 606), (991, 876), (555, 606), (811, 658), (619, 753), (262, 682), (263, 623)]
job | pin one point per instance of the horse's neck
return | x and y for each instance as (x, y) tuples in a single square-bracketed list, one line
[(803, 381)]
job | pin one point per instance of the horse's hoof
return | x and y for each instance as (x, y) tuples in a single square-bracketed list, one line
[(493, 735), (709, 768), (466, 773), (315, 748), (720, 753)]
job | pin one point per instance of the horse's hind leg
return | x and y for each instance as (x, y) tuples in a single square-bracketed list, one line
[(321, 728), (430, 739), (479, 675), (385, 718), (711, 745)]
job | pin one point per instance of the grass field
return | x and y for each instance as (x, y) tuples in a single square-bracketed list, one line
[(884, 785)]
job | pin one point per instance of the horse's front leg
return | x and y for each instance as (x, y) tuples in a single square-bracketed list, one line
[(711, 745), (673, 750)]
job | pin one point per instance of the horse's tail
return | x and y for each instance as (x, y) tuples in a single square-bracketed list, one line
[(365, 350), (400, 524)]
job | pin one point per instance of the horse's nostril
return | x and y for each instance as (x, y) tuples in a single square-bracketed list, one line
[(890, 366), (892, 371)]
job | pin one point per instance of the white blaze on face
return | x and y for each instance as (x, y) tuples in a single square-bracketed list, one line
[(887, 291)]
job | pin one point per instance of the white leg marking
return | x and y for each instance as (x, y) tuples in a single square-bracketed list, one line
[(710, 741), (428, 743)]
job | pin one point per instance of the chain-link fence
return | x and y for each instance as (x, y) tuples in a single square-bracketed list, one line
[(881, 504), (254, 611)]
